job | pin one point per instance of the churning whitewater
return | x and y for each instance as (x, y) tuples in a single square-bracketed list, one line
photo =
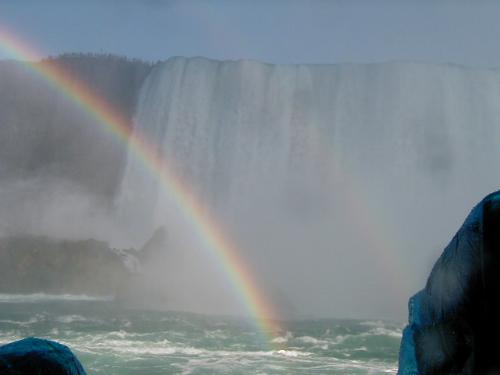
[(112, 341)]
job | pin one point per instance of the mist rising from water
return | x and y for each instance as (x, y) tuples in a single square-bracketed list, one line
[(339, 183)]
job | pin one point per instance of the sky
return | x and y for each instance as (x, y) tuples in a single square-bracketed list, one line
[(279, 31)]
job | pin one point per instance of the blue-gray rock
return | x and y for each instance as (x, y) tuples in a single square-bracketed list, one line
[(38, 357), (454, 322)]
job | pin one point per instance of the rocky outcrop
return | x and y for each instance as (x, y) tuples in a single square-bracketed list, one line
[(40, 357), (154, 247), (453, 322), (36, 264), (30, 264), (144, 288)]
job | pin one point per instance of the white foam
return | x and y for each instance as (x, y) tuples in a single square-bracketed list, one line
[(292, 353), (32, 320), (119, 343), (311, 340), (43, 297), (282, 339), (215, 334), (381, 331), (71, 318)]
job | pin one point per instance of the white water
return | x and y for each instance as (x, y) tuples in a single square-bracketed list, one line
[(340, 183), (44, 297)]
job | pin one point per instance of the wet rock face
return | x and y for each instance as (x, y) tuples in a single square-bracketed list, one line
[(486, 327), (40, 357), (454, 321)]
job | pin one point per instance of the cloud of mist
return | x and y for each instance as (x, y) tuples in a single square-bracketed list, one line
[(52, 207), (339, 185)]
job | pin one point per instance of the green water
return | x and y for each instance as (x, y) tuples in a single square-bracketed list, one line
[(109, 339)]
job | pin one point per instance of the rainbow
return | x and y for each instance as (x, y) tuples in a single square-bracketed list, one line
[(209, 231)]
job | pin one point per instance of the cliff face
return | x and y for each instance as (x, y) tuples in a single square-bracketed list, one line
[(41, 135), (40, 264)]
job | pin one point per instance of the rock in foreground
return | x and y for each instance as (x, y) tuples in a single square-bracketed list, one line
[(40, 357), (454, 321)]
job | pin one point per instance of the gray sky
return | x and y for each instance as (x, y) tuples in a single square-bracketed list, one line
[(308, 31)]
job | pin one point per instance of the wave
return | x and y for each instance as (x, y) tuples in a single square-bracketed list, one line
[(165, 347), (325, 343), (32, 320), (43, 297), (381, 331), (67, 319), (282, 339)]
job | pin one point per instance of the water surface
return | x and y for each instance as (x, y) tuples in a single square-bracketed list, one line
[(111, 340)]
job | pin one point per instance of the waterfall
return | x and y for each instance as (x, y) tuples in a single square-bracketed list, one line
[(355, 174)]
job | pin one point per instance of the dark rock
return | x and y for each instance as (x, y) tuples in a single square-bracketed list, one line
[(454, 321), (40, 357), (154, 248), (30, 264), (143, 288)]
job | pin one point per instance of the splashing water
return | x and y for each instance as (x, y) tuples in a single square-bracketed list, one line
[(113, 341)]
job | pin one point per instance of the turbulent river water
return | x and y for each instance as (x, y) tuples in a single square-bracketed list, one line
[(110, 339)]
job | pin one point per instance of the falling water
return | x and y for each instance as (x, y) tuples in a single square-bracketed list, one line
[(335, 180)]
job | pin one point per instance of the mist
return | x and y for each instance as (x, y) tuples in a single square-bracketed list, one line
[(338, 184)]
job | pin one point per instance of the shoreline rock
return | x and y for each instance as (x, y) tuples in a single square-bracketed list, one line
[(453, 322), (38, 356)]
